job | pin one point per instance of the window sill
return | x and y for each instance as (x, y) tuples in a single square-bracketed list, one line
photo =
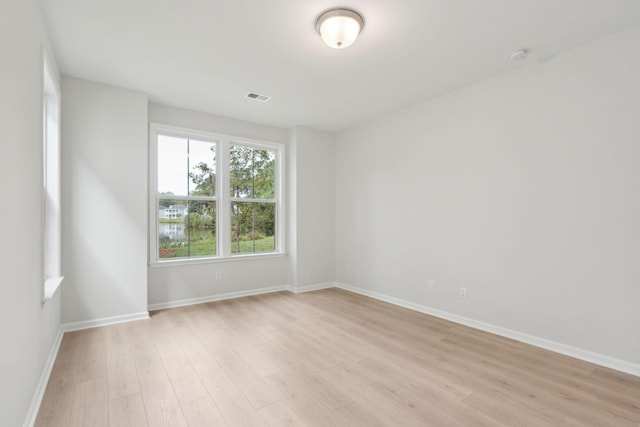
[(51, 286), (200, 261)]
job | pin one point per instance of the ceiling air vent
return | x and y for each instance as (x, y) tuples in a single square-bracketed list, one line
[(258, 97)]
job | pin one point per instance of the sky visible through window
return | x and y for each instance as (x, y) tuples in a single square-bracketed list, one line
[(173, 167)]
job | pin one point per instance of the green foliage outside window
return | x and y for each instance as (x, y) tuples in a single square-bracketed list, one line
[(252, 176)]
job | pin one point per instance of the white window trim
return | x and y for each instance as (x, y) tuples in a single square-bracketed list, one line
[(223, 195), (51, 190)]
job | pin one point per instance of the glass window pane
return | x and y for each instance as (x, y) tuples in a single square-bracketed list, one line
[(201, 224), (264, 174), (172, 165), (172, 233), (240, 170), (251, 172), (186, 229), (252, 227), (202, 168)]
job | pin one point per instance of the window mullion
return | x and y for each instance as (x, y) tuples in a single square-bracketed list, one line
[(186, 198), (188, 201), (219, 198), (249, 200), (224, 225)]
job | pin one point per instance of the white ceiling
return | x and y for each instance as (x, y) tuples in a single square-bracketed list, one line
[(206, 55)]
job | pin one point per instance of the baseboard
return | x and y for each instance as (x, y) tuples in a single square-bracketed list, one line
[(105, 321), (36, 401), (567, 350), (231, 295), (218, 297), (310, 288)]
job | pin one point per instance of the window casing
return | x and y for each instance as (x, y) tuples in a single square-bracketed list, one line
[(52, 223), (213, 196)]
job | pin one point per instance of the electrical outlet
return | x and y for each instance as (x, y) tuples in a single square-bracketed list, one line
[(432, 285), (219, 275), (463, 292)]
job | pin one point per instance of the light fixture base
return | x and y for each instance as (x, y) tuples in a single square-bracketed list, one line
[(340, 27)]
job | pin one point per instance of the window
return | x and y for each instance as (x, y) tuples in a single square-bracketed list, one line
[(186, 197), (213, 196), (51, 184), (253, 203)]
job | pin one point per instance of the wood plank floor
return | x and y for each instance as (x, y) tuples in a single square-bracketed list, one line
[(325, 358)]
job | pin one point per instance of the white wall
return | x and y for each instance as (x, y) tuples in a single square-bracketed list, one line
[(104, 183), (168, 284), (313, 202), (190, 119), (292, 207), (309, 205), (522, 188), (28, 328)]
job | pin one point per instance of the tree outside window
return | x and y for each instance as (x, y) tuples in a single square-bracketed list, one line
[(193, 210)]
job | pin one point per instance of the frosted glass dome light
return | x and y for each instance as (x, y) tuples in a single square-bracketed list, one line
[(339, 28)]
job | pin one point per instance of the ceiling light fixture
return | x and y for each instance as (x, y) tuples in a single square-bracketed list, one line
[(339, 28)]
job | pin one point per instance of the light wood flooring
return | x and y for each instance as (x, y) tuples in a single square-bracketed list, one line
[(325, 358)]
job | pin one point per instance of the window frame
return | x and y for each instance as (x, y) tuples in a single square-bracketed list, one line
[(51, 183), (223, 195)]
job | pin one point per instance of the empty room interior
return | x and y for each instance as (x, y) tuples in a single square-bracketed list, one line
[(238, 212)]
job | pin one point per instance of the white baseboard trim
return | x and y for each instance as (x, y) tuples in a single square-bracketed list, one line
[(218, 297), (310, 288), (239, 294), (36, 401), (105, 321), (567, 350)]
